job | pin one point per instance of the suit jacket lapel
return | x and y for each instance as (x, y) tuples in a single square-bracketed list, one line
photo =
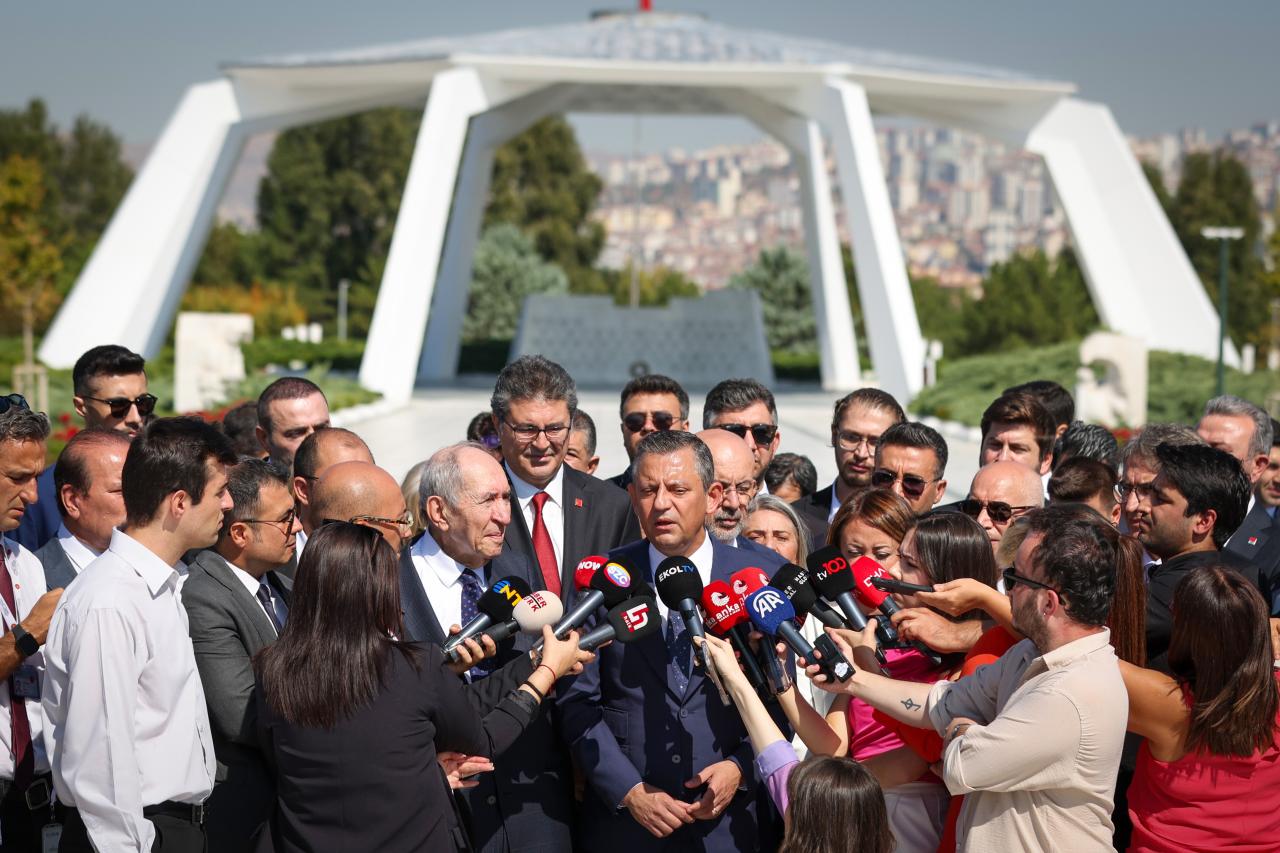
[(420, 622), (576, 521), (220, 570)]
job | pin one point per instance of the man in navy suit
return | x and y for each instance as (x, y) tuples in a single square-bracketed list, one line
[(667, 765), (525, 804)]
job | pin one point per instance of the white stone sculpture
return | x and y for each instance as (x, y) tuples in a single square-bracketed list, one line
[(207, 357), (1119, 398)]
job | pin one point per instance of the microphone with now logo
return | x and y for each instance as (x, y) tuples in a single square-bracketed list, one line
[(599, 582)]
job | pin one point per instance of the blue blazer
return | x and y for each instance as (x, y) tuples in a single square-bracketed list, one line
[(626, 722), (40, 522)]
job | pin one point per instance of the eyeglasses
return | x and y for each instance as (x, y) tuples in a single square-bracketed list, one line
[(999, 511), (404, 522), (745, 489), (1012, 579), (913, 485), (286, 523), (120, 406), (852, 440), (635, 421), (1144, 491), (13, 401), (762, 433), (528, 432)]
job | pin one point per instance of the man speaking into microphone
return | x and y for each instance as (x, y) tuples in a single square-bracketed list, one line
[(666, 762)]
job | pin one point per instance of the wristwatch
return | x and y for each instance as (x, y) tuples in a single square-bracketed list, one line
[(26, 644)]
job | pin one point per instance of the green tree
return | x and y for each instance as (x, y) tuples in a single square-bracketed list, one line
[(658, 286), (781, 277), (1216, 189), (29, 260), (507, 268), (542, 185)]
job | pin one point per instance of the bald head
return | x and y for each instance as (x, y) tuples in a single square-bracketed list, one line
[(734, 465), (319, 452), (1008, 483), (350, 490)]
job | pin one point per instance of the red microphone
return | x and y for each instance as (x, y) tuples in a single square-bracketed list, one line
[(864, 569), (744, 582), (748, 580), (727, 617), (586, 570)]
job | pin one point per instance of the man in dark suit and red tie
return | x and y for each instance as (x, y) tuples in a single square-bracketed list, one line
[(559, 515), (667, 764)]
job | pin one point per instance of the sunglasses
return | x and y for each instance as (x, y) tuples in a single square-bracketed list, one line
[(13, 401), (913, 486), (762, 433), (1012, 579), (120, 406), (999, 511), (635, 421)]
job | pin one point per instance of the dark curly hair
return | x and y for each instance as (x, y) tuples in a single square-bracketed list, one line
[(1078, 557)]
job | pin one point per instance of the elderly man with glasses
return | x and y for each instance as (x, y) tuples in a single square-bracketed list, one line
[(732, 463), (237, 604), (559, 515)]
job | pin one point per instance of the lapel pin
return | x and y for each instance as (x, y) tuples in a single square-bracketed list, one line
[(577, 502), (1253, 540)]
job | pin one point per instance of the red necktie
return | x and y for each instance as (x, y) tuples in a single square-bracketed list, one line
[(24, 760), (542, 547)]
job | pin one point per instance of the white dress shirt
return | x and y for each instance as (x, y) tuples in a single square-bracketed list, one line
[(127, 722), (701, 559), (835, 504), (552, 510), (28, 585), (251, 584), (441, 578), (80, 554), (299, 542)]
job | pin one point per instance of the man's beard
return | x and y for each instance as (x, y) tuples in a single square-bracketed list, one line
[(1028, 622), (723, 534)]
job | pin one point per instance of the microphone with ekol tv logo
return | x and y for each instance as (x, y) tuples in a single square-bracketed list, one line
[(495, 606), (680, 586)]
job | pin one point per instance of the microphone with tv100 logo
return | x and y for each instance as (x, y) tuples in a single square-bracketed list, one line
[(863, 570), (830, 575), (599, 582), (495, 606), (628, 622), (793, 581), (772, 614), (744, 582), (538, 608), (727, 617)]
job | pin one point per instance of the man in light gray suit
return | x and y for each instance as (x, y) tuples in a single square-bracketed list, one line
[(237, 604), (86, 483)]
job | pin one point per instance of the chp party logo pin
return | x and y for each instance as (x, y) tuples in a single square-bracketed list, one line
[(636, 617), (619, 575)]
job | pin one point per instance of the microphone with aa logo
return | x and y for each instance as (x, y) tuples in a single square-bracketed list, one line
[(745, 582), (535, 610), (772, 614), (495, 606), (628, 622)]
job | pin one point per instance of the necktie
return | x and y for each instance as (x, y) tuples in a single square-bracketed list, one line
[(24, 760), (269, 605), (542, 547), (471, 592), (679, 649)]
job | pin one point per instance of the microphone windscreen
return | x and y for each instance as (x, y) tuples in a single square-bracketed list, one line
[(537, 609), (748, 580), (829, 572), (793, 582), (500, 600), (768, 609), (635, 619), (722, 608), (586, 570), (615, 581), (677, 579), (863, 570)]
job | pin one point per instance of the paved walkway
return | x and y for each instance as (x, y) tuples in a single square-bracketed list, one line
[(438, 416)]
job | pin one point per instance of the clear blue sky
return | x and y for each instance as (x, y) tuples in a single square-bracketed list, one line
[(1159, 65)]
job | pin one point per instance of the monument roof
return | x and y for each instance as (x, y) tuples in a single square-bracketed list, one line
[(646, 37)]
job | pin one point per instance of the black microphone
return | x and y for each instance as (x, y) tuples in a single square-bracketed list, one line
[(632, 620), (495, 606), (680, 586), (599, 582), (793, 581), (772, 614), (829, 572)]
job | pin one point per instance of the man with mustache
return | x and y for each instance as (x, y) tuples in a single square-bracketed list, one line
[(733, 465)]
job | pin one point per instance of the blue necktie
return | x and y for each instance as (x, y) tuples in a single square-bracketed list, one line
[(679, 649), (471, 592), (269, 604)]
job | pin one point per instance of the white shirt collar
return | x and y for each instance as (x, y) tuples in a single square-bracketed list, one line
[(156, 573), (249, 582), (835, 503), (525, 492), (445, 568), (77, 552), (701, 558)]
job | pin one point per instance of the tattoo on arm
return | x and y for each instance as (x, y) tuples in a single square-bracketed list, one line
[(909, 704)]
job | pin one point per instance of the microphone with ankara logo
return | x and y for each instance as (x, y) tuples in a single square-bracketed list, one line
[(495, 606), (773, 615), (829, 572), (793, 581), (538, 608), (744, 582), (598, 582), (862, 571), (627, 622), (727, 617)]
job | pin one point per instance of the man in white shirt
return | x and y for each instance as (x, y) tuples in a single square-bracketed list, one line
[(25, 609), (128, 729), (237, 605), (86, 482)]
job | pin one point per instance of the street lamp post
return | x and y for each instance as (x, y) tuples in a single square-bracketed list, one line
[(1223, 235)]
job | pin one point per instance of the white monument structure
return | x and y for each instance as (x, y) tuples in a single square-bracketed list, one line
[(481, 90), (207, 357)]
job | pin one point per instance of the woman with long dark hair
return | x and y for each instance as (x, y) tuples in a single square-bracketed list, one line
[(1208, 772), (351, 718)]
